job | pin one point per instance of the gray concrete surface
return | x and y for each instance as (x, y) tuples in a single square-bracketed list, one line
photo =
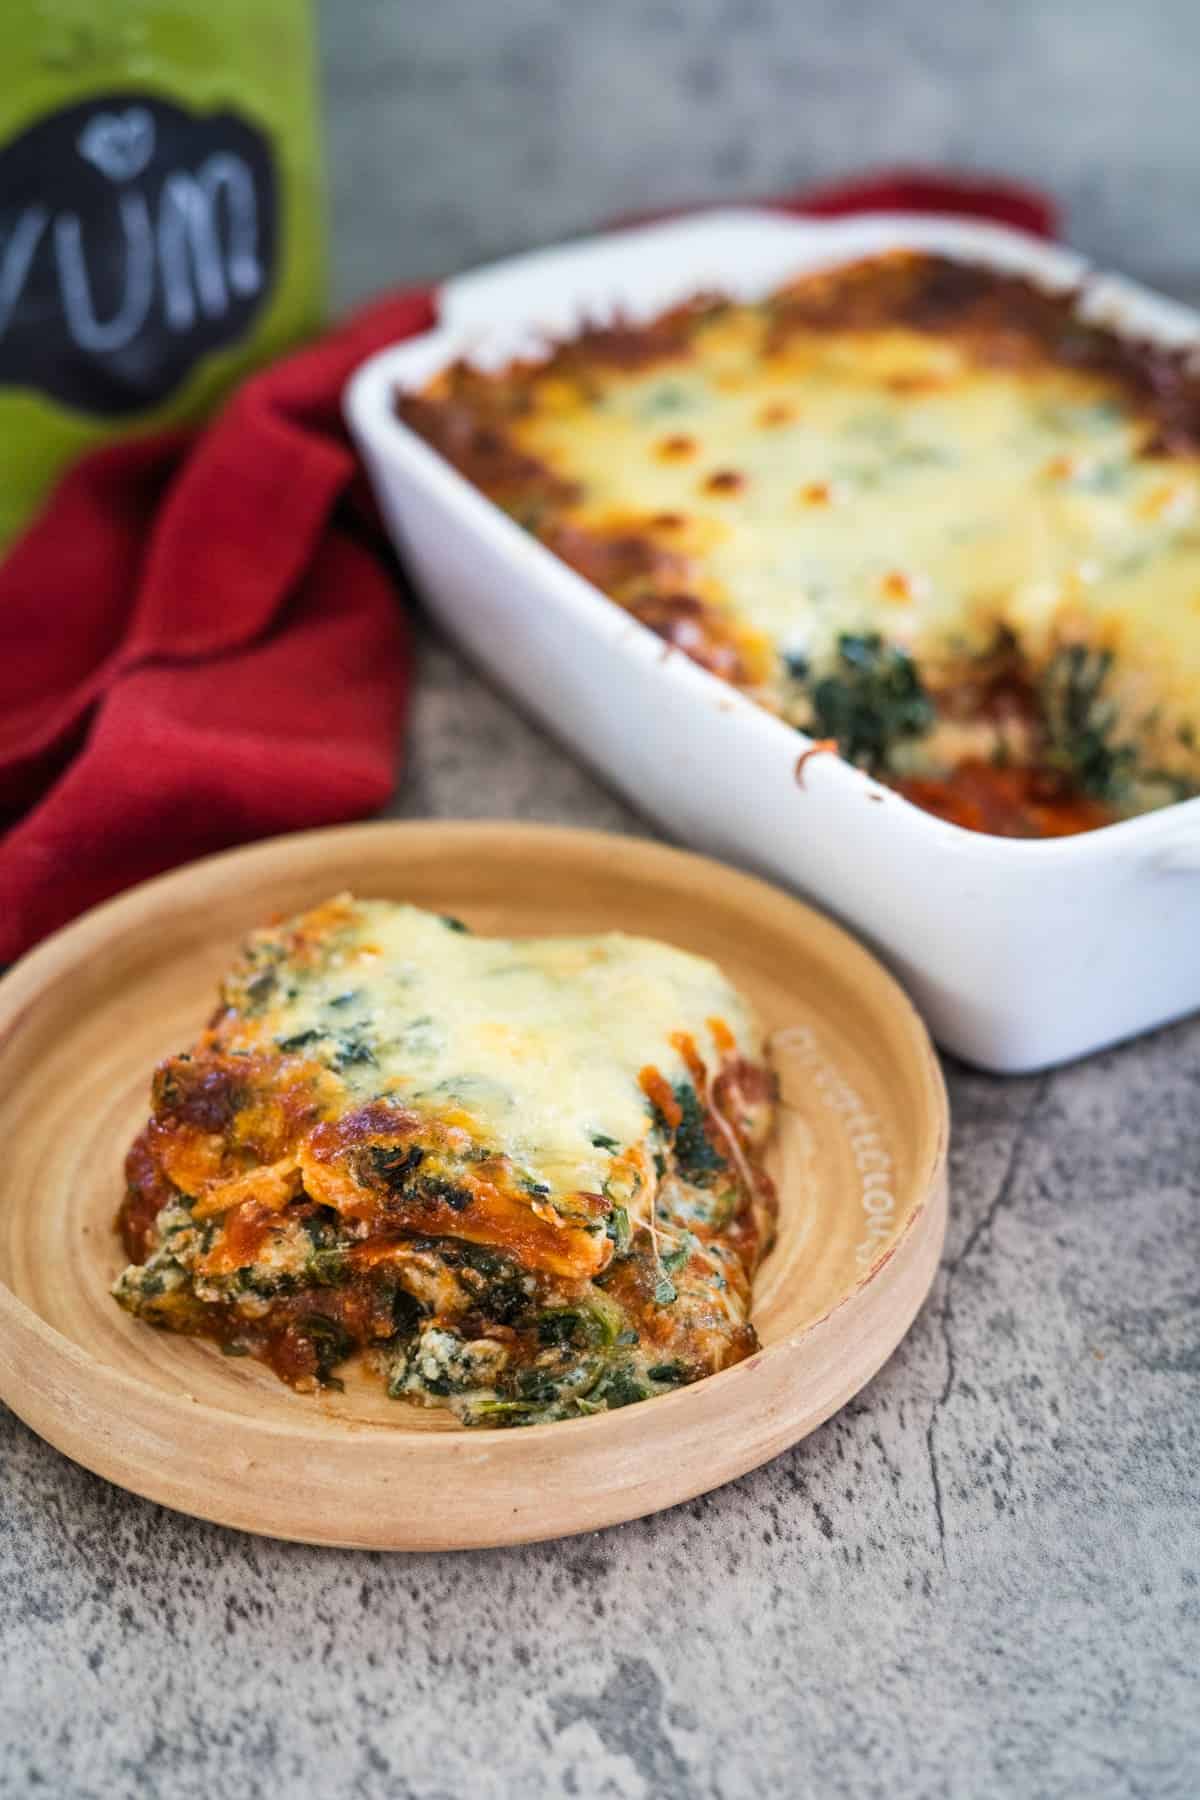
[(467, 128), (981, 1579)]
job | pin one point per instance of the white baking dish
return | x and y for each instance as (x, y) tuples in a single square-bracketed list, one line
[(1019, 954)]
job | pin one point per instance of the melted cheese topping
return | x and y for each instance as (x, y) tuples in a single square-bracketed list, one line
[(886, 480), (534, 1046)]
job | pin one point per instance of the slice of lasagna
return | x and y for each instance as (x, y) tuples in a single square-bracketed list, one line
[(525, 1176)]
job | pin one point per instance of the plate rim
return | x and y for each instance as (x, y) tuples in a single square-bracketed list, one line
[(21, 985)]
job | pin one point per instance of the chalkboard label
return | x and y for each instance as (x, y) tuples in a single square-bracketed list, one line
[(135, 238)]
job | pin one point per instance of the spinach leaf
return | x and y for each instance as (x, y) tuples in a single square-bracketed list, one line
[(391, 1164), (673, 1260), (582, 1328), (620, 1387), (1080, 722), (435, 1189), (619, 1229), (326, 1268), (259, 988), (696, 1157), (873, 701)]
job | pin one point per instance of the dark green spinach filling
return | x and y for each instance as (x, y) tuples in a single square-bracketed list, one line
[(459, 1323), (871, 701)]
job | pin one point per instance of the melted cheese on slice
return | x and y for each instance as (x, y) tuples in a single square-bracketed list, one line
[(534, 1045)]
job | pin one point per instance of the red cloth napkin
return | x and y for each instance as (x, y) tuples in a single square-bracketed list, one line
[(200, 637)]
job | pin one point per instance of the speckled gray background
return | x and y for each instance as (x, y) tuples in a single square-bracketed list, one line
[(465, 128), (981, 1579)]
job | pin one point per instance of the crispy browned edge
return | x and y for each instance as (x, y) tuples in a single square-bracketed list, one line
[(1004, 320)]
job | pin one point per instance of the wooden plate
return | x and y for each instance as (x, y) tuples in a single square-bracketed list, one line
[(860, 1162)]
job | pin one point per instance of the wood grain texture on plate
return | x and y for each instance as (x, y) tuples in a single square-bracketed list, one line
[(860, 1163)]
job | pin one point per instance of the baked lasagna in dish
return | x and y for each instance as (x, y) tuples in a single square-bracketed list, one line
[(921, 510), (524, 1176)]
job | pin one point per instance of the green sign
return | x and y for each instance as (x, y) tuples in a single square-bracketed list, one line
[(160, 217)]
